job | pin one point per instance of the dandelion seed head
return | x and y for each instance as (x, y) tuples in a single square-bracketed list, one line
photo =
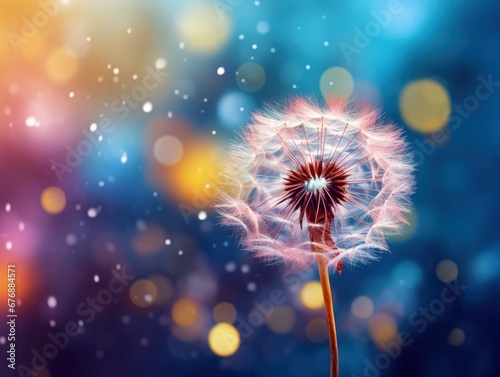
[(303, 179)]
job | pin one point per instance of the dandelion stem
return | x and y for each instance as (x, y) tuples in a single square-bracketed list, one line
[(330, 316)]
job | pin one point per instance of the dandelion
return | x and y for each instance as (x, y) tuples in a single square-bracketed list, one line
[(305, 183)]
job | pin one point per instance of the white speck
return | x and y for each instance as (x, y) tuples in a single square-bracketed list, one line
[(71, 239), (148, 297), (257, 3), (116, 70), (80, 323), (168, 242), (124, 158), (273, 50), (202, 215), (214, 132), (96, 278), (308, 67), (326, 43), (294, 86), (134, 77), (242, 109), (21, 226), (8, 245), (161, 63), (182, 45), (89, 39), (170, 114), (241, 37), (254, 47), (221, 71), (52, 323), (93, 127), (100, 138), (181, 252), (147, 107), (2, 340), (141, 225), (7, 207), (71, 94), (92, 212), (101, 184), (129, 30), (52, 302), (245, 269), (118, 266), (230, 267), (31, 121), (252, 287)]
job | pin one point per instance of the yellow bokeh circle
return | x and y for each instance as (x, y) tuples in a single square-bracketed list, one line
[(185, 312), (224, 339), (425, 105), (203, 28), (311, 295), (53, 200), (61, 65), (336, 82), (382, 328)]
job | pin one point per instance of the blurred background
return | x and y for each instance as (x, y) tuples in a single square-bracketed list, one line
[(113, 115)]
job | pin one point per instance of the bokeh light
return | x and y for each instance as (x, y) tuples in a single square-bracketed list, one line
[(164, 288), (456, 337), (224, 312), (143, 293), (425, 105), (336, 82), (311, 295), (203, 28), (53, 200), (250, 77), (168, 150), (382, 328), (447, 271), (281, 320), (362, 307), (61, 65), (317, 331), (224, 339), (185, 312)]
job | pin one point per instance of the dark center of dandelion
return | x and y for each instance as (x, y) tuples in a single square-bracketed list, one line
[(316, 189)]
